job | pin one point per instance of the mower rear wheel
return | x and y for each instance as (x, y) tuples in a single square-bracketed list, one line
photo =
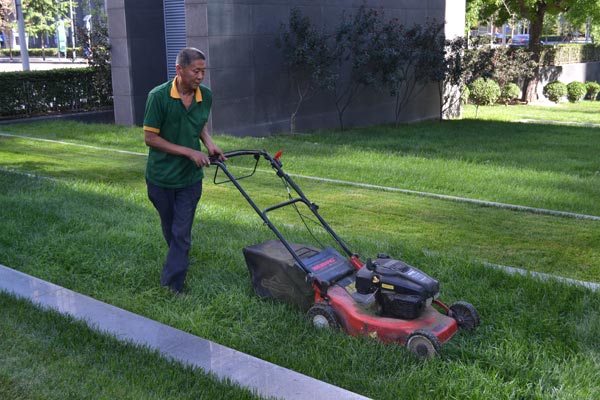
[(465, 315), (322, 316), (424, 344)]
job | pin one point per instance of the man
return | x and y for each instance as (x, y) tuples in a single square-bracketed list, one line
[(174, 124)]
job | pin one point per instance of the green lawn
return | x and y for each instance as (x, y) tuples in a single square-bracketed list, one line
[(48, 356), (91, 228)]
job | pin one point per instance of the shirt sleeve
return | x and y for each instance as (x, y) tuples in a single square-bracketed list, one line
[(153, 115)]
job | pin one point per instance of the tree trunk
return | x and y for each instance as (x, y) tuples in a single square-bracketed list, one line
[(535, 46)]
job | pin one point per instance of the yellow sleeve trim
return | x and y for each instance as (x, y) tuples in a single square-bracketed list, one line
[(151, 129)]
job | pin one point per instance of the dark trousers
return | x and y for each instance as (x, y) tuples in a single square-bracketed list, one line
[(176, 208)]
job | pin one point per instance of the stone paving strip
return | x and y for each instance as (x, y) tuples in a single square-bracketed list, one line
[(261, 377)]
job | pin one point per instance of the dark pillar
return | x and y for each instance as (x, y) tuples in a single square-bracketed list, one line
[(137, 38)]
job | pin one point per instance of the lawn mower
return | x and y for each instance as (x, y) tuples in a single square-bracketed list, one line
[(382, 298)]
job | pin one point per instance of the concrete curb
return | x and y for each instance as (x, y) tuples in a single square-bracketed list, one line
[(261, 377)]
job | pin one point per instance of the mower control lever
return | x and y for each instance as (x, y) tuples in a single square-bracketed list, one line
[(371, 265)]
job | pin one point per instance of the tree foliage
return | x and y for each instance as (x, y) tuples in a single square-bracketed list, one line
[(555, 90), (7, 12), (483, 92), (576, 91), (307, 57), (442, 61), (355, 38), (396, 55), (97, 53), (367, 50), (509, 93), (40, 17), (502, 64), (391, 57), (592, 88), (535, 11)]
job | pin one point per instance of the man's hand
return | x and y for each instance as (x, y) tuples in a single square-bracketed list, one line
[(199, 158), (215, 150), (212, 148)]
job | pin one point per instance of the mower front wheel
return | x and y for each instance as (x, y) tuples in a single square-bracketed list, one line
[(465, 315), (424, 344), (322, 316)]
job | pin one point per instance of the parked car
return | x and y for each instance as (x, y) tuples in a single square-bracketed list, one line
[(499, 38), (520, 40)]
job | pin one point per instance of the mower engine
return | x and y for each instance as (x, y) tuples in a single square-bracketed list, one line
[(401, 290)]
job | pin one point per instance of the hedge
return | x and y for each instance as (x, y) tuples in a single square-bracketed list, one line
[(570, 54), (55, 91), (48, 51)]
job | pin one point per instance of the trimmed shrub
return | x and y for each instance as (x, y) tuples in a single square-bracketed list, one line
[(576, 91), (593, 88), (483, 92), (53, 91), (555, 90), (509, 93)]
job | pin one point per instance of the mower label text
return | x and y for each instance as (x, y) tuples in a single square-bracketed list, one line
[(323, 264)]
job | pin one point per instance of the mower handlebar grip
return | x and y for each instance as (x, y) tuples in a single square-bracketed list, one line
[(275, 162)]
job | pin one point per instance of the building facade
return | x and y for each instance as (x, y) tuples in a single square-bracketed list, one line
[(251, 88)]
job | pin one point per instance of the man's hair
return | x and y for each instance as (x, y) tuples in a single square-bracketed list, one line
[(188, 55)]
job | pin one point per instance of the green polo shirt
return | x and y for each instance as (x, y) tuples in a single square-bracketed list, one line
[(167, 116)]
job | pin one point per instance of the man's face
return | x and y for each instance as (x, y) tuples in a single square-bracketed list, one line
[(192, 75)]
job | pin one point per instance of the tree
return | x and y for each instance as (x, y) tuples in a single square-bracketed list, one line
[(451, 77), (307, 57), (97, 53), (355, 39), (404, 61), (535, 11), (7, 13), (40, 17), (440, 61), (483, 92), (394, 56)]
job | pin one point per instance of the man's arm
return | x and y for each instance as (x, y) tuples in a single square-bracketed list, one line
[(212, 148), (156, 142)]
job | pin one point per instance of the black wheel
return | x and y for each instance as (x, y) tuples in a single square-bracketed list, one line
[(465, 315), (424, 344), (323, 316)]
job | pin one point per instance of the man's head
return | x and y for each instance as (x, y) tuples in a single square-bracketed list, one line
[(189, 55), (191, 67)]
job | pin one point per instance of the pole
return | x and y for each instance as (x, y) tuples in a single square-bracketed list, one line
[(72, 28), (22, 37), (588, 24)]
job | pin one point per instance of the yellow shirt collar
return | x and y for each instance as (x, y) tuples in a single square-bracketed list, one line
[(175, 92)]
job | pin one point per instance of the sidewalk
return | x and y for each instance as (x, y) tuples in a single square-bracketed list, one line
[(39, 64), (262, 377)]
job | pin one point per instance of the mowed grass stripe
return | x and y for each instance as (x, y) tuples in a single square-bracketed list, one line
[(370, 185)]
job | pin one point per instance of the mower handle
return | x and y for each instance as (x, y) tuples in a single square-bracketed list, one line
[(277, 166), (256, 153)]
